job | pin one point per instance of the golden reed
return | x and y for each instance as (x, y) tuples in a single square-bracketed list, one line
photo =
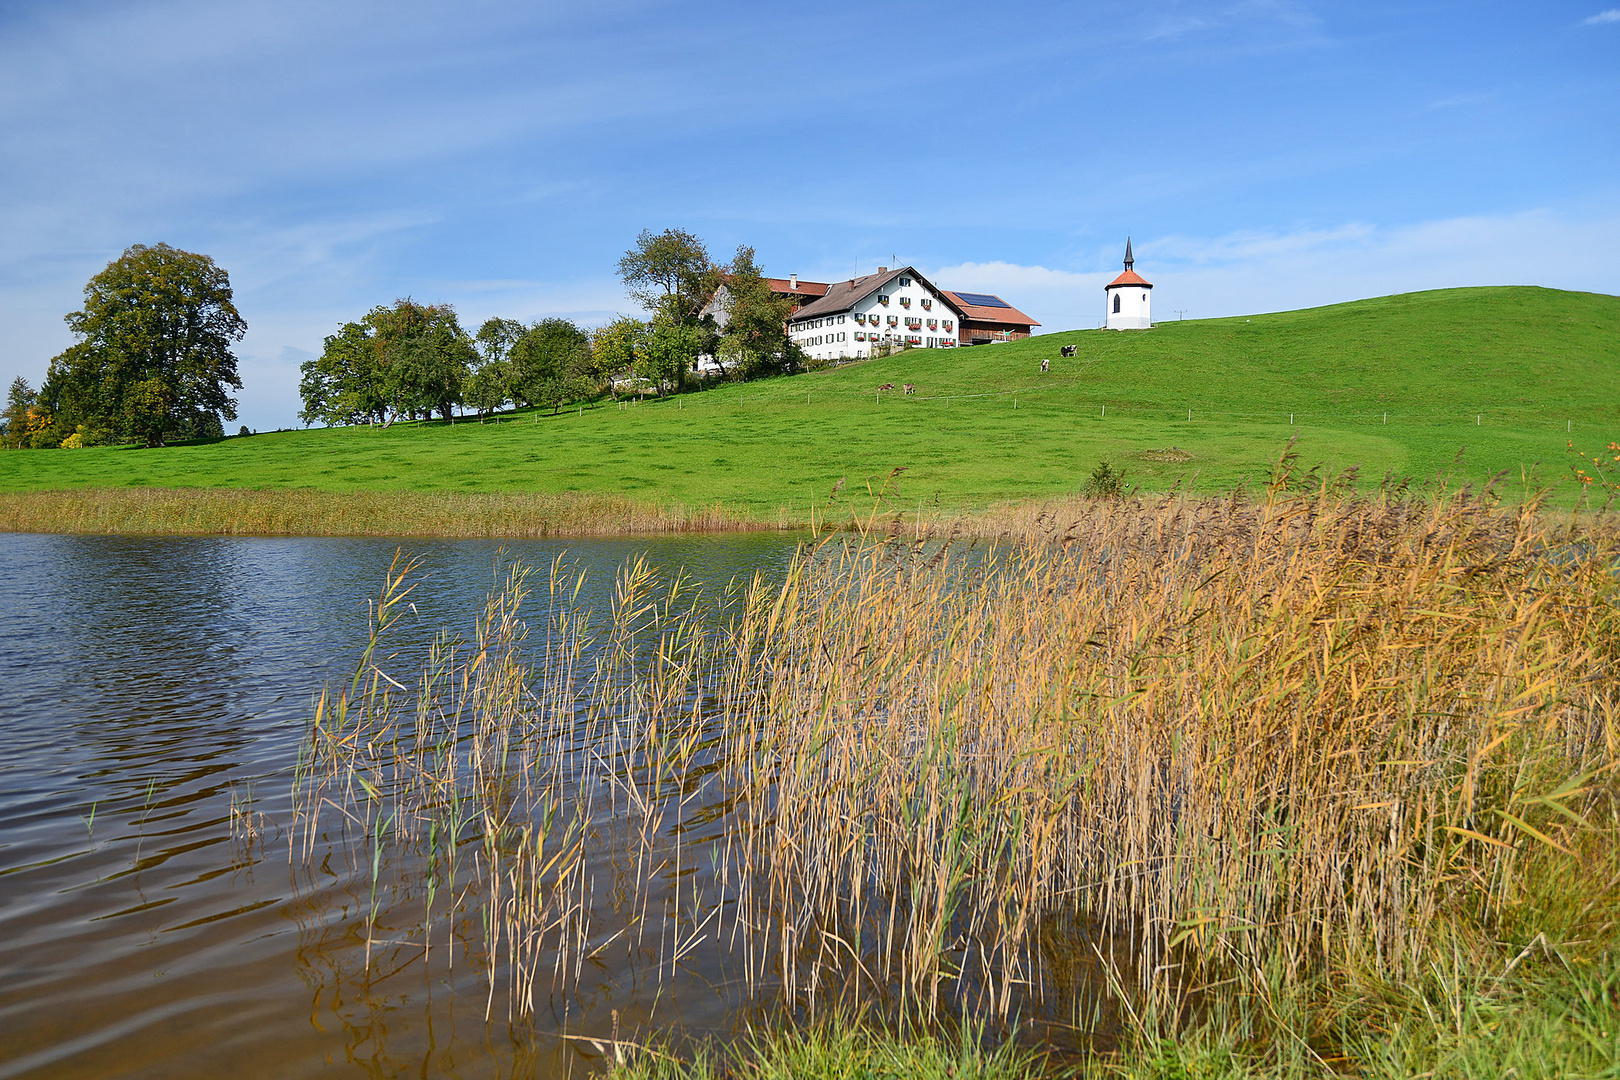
[(1187, 750), (306, 512)]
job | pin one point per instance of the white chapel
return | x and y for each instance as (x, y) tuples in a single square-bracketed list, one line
[(1129, 306)]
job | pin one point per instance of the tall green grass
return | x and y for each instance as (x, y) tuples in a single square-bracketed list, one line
[(1278, 782)]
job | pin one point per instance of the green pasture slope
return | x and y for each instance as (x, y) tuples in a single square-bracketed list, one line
[(1466, 382)]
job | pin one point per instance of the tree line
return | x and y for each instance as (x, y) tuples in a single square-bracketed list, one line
[(154, 363), (412, 360)]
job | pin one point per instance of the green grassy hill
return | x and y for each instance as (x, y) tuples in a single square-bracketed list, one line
[(1503, 377)]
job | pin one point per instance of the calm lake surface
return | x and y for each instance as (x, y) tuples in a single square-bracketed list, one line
[(147, 686)]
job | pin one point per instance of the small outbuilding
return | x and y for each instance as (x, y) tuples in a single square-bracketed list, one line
[(1128, 298), (987, 318)]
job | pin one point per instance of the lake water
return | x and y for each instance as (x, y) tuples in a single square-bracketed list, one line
[(147, 686)]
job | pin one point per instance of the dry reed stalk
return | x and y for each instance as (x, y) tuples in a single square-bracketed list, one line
[(306, 512), (1196, 743), (1296, 732)]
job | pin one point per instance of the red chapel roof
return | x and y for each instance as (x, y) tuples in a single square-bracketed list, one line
[(1129, 277)]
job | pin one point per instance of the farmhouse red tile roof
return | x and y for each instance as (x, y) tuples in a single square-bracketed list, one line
[(1129, 277), (806, 288), (1008, 314)]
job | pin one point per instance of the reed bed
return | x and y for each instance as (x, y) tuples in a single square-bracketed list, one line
[(308, 512), (1187, 755)]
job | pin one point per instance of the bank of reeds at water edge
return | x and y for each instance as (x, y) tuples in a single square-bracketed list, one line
[(137, 511), (1300, 774)]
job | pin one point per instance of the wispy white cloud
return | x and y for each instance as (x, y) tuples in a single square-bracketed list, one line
[(1610, 16), (1457, 100)]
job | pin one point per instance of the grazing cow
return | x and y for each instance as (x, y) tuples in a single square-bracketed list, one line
[(887, 386), (1046, 365), (909, 388), (1069, 350)]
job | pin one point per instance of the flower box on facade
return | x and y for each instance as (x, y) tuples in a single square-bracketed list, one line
[(927, 302), (905, 301), (860, 335), (884, 300), (946, 323), (933, 324)]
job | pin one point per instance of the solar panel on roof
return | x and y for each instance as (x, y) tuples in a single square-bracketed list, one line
[(979, 299)]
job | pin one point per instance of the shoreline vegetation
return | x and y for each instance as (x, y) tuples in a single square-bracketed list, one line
[(305, 512), (135, 511), (1303, 785)]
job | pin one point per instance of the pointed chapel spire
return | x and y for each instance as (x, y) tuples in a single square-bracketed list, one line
[(1130, 263)]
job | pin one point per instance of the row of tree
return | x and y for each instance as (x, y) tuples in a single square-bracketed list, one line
[(153, 359), (411, 360), (152, 362)]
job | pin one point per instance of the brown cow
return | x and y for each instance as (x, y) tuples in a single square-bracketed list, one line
[(887, 386)]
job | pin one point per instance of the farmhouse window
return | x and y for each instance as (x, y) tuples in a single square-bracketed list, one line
[(905, 281)]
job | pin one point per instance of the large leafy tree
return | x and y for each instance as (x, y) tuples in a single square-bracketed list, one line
[(670, 274), (671, 350), (550, 364), (756, 341), (407, 360), (617, 346), (490, 384), (496, 337), (345, 384), (154, 358), (425, 354)]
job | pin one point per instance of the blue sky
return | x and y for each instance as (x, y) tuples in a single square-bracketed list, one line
[(1263, 154)]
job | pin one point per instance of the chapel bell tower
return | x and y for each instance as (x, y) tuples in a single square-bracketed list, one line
[(1129, 306)]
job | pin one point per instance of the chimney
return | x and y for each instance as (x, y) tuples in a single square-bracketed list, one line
[(793, 281), (883, 269)]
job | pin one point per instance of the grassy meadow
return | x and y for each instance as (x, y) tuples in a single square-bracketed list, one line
[(1462, 382)]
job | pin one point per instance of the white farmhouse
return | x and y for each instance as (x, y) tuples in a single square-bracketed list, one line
[(1128, 305), (890, 307)]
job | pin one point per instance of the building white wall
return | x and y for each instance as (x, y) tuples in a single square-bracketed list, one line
[(1135, 307), (851, 334)]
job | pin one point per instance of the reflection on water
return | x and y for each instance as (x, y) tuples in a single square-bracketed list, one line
[(152, 689)]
